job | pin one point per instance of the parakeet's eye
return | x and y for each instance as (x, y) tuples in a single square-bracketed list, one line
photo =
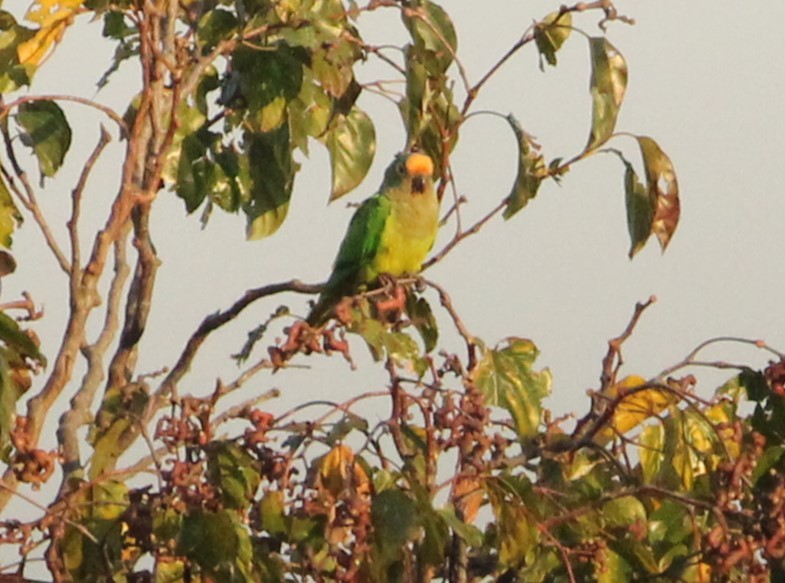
[(400, 168)]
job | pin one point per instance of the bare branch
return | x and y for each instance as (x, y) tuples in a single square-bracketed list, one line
[(76, 204), (212, 323)]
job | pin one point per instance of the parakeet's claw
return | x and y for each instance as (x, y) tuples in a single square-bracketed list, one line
[(390, 307), (387, 283)]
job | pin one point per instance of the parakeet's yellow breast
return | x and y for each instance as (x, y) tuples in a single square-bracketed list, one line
[(409, 233)]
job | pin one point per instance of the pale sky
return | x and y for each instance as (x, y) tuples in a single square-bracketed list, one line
[(706, 80)]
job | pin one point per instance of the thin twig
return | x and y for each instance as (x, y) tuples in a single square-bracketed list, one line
[(5, 109), (215, 321)]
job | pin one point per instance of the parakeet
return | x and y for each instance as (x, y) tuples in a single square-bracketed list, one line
[(390, 233)]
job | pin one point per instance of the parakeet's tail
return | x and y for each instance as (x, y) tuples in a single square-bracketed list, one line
[(322, 310)]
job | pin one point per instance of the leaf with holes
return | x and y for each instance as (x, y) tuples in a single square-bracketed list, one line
[(608, 85), (663, 187), (506, 379), (550, 34), (531, 169), (433, 34)]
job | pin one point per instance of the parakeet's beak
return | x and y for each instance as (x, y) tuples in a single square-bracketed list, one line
[(420, 168)]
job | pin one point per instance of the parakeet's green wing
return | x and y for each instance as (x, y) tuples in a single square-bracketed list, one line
[(356, 254)]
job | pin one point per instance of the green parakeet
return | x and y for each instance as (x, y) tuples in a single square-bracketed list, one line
[(390, 233)]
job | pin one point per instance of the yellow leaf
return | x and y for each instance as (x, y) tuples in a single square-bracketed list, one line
[(469, 496), (52, 18), (635, 406), (339, 473)]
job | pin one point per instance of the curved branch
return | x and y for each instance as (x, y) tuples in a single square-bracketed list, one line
[(212, 323)]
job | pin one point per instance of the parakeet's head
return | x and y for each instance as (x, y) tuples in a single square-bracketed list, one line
[(410, 169)]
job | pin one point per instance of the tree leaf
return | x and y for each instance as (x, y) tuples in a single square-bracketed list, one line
[(233, 472), (506, 379), (214, 26), (550, 34), (116, 426), (351, 142), (640, 209), (52, 17), (635, 406), (348, 423), (421, 316), (9, 395), (395, 521), (12, 73), (46, 131), (215, 541), (612, 567), (266, 75), (272, 511), (428, 111), (623, 511), (531, 169), (17, 341), (271, 172), (433, 34), (608, 85), (193, 183), (10, 217), (468, 532), (663, 188)]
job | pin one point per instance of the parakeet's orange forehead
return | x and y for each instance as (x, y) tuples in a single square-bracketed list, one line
[(419, 164)]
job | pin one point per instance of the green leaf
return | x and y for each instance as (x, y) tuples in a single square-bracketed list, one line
[(272, 510), (233, 472), (309, 114), (531, 169), (351, 142), (612, 568), (12, 74), (271, 172), (10, 217), (518, 532), (116, 426), (640, 208), (550, 34), (663, 188), (468, 532), (433, 34), (623, 511), (214, 26), (395, 521), (46, 130), (348, 423), (608, 85), (429, 112), (193, 170), (216, 542), (9, 395), (17, 341), (265, 75), (506, 379), (770, 458), (421, 316), (652, 443), (437, 534)]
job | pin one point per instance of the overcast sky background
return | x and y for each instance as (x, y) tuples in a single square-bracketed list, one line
[(706, 80)]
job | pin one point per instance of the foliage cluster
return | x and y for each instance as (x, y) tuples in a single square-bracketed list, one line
[(470, 478)]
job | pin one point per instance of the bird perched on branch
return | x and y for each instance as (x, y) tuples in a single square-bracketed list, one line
[(390, 233)]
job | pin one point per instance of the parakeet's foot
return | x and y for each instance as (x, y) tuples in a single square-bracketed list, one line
[(392, 304)]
